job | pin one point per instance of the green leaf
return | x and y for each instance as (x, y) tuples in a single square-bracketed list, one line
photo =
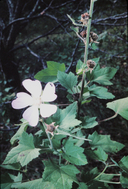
[(102, 76), (123, 163), (97, 154), (73, 21), (88, 122), (120, 107), (15, 166), (60, 176), (75, 29), (105, 177), (18, 134), (80, 67), (6, 181), (74, 154), (99, 185), (94, 46), (124, 180), (82, 185), (102, 35), (50, 73), (36, 184), (90, 175), (96, 60), (17, 180), (67, 80), (100, 92), (24, 152), (66, 118), (104, 142)]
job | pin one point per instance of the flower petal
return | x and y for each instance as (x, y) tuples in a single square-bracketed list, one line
[(46, 110), (31, 114), (48, 93), (34, 87), (23, 100)]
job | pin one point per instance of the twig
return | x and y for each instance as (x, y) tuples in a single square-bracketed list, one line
[(35, 39), (73, 56), (34, 8)]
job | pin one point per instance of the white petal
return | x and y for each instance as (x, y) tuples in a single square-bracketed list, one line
[(31, 114), (48, 93), (46, 110), (23, 100), (34, 87)]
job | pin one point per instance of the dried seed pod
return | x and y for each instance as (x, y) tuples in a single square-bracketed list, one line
[(84, 18), (85, 15), (83, 33), (50, 127), (94, 36), (91, 64)]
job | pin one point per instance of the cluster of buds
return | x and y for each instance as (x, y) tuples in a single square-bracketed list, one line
[(90, 64), (84, 18), (92, 38), (51, 128)]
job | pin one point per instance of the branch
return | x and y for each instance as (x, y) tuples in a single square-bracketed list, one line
[(38, 56), (34, 9), (114, 18), (58, 21), (73, 56), (35, 39), (10, 9), (63, 4)]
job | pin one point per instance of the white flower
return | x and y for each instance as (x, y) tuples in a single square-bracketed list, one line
[(36, 101)]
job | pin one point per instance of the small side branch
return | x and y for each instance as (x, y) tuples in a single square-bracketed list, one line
[(73, 56)]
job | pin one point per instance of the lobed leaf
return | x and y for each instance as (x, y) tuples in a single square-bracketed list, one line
[(67, 80), (123, 163), (88, 122), (100, 92), (24, 152), (74, 154), (66, 118), (102, 76), (120, 107), (97, 154), (104, 142), (60, 176), (36, 184), (124, 180), (18, 134), (50, 73)]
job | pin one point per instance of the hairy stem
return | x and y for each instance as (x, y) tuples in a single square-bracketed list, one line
[(86, 54)]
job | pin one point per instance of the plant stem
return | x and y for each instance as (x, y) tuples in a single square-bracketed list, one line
[(50, 141), (109, 118), (85, 54), (101, 172), (110, 182), (59, 159)]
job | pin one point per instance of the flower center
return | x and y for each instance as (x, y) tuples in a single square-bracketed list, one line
[(36, 101)]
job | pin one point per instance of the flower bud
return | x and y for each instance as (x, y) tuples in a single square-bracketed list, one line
[(50, 127), (90, 64), (94, 36)]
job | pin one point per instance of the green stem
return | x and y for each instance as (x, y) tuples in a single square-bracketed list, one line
[(50, 141), (59, 159), (68, 134), (101, 172), (109, 118), (110, 182), (86, 54)]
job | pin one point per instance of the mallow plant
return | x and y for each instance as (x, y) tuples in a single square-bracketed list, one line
[(61, 139)]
